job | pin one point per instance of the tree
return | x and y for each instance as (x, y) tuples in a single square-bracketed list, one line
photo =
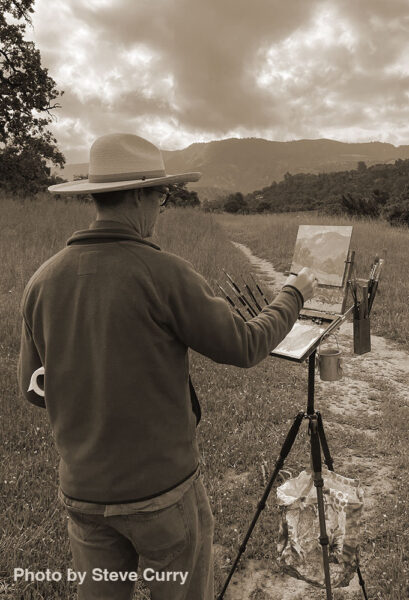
[(236, 203), (359, 206), (181, 196), (263, 206), (27, 95), (397, 212)]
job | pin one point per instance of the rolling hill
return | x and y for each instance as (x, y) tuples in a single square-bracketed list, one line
[(249, 164)]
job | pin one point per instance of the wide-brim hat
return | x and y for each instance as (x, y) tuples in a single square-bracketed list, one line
[(122, 161)]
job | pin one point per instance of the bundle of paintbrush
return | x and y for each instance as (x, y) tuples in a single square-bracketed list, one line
[(364, 290), (363, 293), (374, 280), (245, 302)]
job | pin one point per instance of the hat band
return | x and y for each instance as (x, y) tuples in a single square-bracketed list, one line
[(126, 176)]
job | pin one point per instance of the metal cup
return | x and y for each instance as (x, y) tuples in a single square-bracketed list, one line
[(330, 364)]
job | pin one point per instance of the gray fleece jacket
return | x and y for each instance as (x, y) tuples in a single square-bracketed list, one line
[(111, 318)]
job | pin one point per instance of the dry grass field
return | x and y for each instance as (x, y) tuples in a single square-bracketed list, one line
[(246, 413)]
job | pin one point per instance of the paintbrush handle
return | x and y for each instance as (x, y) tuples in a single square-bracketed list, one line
[(379, 269), (252, 296), (364, 302), (238, 311), (232, 304), (372, 296), (243, 301), (374, 287), (260, 291), (236, 287)]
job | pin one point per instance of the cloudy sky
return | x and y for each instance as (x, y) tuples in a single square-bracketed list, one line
[(184, 71)]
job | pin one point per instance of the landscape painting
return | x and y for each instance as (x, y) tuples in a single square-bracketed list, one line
[(323, 248)]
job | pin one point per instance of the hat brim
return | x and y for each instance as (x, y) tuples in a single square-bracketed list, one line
[(83, 186)]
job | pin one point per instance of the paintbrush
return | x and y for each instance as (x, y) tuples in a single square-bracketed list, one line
[(232, 304), (260, 291), (240, 295), (252, 296), (243, 301), (372, 274), (364, 314), (374, 287)]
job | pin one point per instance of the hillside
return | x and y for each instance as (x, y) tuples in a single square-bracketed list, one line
[(250, 164), (382, 184)]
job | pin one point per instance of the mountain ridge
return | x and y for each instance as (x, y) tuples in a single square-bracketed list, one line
[(249, 164)]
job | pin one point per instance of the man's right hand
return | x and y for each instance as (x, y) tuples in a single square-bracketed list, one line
[(306, 283)]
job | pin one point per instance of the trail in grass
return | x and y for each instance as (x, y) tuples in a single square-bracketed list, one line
[(351, 410)]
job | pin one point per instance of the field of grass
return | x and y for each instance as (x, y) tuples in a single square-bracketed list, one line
[(246, 413)]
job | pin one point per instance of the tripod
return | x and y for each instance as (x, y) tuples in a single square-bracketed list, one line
[(317, 441)]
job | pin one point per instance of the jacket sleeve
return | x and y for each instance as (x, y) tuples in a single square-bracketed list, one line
[(28, 362), (206, 324)]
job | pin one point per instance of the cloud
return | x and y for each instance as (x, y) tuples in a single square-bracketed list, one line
[(180, 71)]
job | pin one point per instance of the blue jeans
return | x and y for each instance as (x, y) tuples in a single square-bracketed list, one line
[(175, 545)]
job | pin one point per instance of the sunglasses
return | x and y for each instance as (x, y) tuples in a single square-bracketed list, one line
[(163, 194)]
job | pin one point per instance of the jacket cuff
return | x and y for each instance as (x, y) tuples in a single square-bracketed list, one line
[(298, 294)]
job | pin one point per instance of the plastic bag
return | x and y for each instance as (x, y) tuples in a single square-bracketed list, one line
[(299, 548)]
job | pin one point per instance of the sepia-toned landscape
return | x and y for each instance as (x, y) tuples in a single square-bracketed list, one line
[(246, 414), (282, 130)]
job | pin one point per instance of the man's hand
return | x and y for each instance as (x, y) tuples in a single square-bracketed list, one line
[(306, 283)]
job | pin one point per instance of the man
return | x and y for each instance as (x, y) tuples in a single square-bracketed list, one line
[(110, 318)]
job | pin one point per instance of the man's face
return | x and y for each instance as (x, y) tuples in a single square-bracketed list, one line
[(160, 193), (151, 199)]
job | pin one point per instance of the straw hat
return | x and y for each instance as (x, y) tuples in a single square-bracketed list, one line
[(122, 161)]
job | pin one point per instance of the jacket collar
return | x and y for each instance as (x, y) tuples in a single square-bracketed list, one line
[(107, 231)]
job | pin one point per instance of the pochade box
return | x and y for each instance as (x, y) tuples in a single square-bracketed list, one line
[(325, 249)]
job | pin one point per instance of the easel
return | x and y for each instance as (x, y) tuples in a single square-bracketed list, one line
[(318, 442)]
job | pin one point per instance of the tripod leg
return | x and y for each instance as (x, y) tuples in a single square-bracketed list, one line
[(311, 383), (289, 441), (360, 578), (328, 459), (319, 483), (329, 462)]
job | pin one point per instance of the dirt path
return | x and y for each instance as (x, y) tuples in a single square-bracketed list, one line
[(358, 395)]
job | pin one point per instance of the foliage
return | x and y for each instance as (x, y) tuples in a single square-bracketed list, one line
[(263, 206), (213, 206), (182, 197), (235, 203), (397, 213), (27, 94), (358, 206), (365, 191)]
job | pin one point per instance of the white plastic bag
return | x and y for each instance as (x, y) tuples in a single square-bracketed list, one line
[(299, 548)]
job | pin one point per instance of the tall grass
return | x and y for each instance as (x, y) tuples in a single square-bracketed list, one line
[(30, 232), (246, 415), (200, 239)]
